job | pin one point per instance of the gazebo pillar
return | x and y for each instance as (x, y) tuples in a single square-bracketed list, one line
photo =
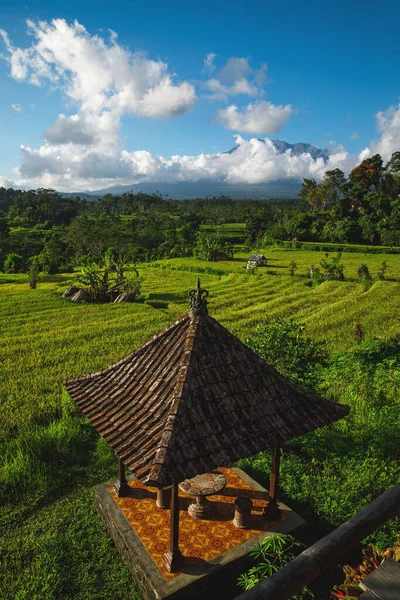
[(121, 487), (172, 559), (271, 509)]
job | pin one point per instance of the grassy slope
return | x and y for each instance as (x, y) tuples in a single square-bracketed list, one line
[(45, 338)]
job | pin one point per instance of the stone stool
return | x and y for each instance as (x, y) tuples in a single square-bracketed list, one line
[(242, 518), (164, 497)]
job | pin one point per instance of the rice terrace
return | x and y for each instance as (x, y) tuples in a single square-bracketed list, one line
[(199, 349)]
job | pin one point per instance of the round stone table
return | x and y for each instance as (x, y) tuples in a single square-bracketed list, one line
[(202, 486)]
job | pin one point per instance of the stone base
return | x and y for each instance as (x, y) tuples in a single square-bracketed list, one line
[(198, 579)]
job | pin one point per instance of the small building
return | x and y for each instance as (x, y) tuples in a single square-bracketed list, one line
[(256, 260)]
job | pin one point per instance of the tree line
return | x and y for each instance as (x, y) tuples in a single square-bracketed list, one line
[(60, 232)]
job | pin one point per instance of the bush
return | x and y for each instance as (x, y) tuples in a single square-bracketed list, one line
[(292, 268), (272, 554), (14, 263), (283, 345), (372, 559), (364, 276)]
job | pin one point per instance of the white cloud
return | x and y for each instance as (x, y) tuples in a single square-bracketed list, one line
[(354, 136), (236, 77), (15, 107), (101, 79), (389, 127), (260, 117), (208, 65)]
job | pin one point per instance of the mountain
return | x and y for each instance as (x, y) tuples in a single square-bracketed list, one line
[(297, 149), (281, 188)]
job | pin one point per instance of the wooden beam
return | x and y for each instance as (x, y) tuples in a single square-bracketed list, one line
[(172, 559), (121, 487), (327, 551), (272, 510)]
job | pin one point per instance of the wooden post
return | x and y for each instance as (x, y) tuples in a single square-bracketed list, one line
[(272, 510), (172, 559), (121, 488)]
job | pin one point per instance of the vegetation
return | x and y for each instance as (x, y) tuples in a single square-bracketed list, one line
[(371, 559), (271, 555), (337, 334)]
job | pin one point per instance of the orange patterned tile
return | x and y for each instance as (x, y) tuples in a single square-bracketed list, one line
[(199, 540)]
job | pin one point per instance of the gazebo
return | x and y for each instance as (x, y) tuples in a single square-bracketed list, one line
[(191, 399)]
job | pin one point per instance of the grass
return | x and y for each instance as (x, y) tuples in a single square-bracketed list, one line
[(53, 545)]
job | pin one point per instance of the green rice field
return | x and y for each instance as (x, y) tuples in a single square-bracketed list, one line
[(45, 338)]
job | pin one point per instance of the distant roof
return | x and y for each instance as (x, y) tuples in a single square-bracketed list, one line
[(194, 398), (256, 257)]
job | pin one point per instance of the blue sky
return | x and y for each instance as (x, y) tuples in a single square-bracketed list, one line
[(330, 69)]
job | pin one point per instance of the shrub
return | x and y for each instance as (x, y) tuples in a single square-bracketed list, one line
[(334, 269), (14, 263), (283, 344), (382, 270), (33, 273), (292, 268), (364, 276), (273, 553), (371, 560)]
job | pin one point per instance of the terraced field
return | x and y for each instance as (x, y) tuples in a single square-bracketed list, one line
[(50, 461), (46, 338)]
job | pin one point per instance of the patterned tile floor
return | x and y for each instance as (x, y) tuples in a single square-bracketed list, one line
[(199, 540)]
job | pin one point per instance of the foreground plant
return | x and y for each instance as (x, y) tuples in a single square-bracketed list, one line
[(372, 558), (271, 555)]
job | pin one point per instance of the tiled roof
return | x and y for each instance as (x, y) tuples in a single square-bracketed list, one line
[(194, 398)]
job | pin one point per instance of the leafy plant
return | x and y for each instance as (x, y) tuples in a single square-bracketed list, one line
[(372, 558), (382, 270), (14, 263), (334, 269), (96, 281), (292, 268), (273, 553), (283, 344), (33, 273)]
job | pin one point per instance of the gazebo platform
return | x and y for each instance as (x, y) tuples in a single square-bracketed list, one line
[(215, 551)]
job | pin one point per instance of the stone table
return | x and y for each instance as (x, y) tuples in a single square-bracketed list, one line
[(202, 486)]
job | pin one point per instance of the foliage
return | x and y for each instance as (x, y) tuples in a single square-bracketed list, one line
[(212, 248), (372, 558), (14, 263), (33, 273), (334, 268), (283, 344), (292, 268), (273, 553), (96, 281), (382, 270)]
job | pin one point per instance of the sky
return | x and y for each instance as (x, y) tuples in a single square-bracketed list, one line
[(95, 94)]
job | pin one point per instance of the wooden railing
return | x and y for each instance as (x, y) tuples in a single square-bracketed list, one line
[(316, 559)]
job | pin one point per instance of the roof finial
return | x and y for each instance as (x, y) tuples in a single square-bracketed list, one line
[(198, 300)]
